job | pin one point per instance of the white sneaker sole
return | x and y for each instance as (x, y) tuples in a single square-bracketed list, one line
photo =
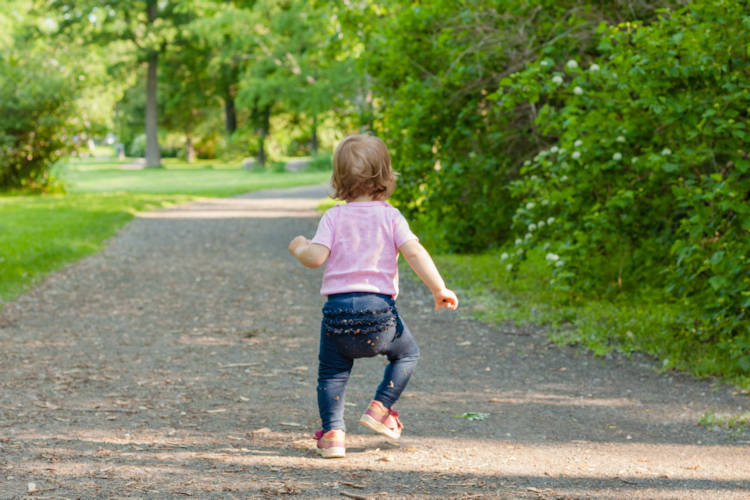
[(335, 452), (376, 426)]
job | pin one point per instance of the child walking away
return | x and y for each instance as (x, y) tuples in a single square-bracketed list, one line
[(361, 240)]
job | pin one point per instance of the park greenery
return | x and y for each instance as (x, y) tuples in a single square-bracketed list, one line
[(580, 163)]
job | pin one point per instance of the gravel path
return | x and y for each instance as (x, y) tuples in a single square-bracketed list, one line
[(180, 362)]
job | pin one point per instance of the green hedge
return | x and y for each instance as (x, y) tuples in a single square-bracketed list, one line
[(648, 181)]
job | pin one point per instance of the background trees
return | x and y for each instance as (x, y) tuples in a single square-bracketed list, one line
[(609, 136)]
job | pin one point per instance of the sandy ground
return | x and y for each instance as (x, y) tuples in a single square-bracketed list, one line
[(180, 362)]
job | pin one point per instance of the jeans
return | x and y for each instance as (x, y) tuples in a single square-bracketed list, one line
[(361, 325)]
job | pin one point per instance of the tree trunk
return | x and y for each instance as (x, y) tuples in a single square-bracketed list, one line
[(230, 113), (189, 149), (153, 155), (265, 126), (314, 140)]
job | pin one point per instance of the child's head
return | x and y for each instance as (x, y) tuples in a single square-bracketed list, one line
[(362, 167)]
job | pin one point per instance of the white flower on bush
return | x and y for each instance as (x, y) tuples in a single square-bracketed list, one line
[(519, 241), (576, 155), (552, 257), (578, 90), (527, 163), (594, 67), (563, 151), (503, 256), (666, 152), (617, 156), (634, 160), (550, 221), (559, 263), (578, 143), (563, 178), (544, 63), (527, 236), (532, 227), (509, 267), (620, 138), (540, 224), (557, 79), (545, 203), (553, 149), (572, 64), (530, 205)]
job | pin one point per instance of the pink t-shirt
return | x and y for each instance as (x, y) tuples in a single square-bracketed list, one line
[(363, 237)]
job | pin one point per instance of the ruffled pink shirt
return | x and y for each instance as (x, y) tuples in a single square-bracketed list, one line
[(364, 238)]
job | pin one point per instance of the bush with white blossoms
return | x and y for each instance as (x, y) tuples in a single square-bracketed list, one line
[(674, 219)]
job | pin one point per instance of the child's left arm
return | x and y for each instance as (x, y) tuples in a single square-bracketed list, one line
[(309, 254)]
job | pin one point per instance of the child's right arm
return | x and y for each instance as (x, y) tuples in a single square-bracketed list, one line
[(419, 260), (309, 254)]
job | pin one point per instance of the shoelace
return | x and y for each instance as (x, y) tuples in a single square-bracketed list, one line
[(394, 414)]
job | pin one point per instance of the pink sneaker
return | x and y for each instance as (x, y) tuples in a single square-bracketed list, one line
[(382, 420), (331, 444)]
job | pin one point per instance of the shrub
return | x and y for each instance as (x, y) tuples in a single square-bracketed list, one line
[(434, 65), (648, 181), (36, 111)]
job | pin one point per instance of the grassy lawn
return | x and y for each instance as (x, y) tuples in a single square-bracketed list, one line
[(41, 233), (624, 324), (202, 178)]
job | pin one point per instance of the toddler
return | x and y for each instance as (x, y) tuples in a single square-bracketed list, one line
[(361, 240)]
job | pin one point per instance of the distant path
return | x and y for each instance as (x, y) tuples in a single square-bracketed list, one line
[(180, 362)]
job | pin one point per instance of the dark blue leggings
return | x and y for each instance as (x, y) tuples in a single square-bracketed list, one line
[(361, 325)]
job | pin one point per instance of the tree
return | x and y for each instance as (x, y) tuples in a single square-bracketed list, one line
[(139, 30), (190, 89), (298, 65), (37, 102)]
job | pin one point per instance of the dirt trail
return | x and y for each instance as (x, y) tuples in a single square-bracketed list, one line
[(180, 362)]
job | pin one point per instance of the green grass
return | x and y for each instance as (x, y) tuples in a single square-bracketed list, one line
[(204, 178), (41, 233), (625, 323), (735, 424)]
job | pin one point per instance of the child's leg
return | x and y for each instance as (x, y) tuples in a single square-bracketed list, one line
[(403, 354), (333, 373)]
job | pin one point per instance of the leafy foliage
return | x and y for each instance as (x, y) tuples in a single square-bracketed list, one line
[(648, 178), (36, 109), (434, 66)]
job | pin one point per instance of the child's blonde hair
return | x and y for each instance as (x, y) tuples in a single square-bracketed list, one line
[(362, 166)]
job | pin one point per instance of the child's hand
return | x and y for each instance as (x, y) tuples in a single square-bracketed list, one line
[(445, 298), (298, 243)]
